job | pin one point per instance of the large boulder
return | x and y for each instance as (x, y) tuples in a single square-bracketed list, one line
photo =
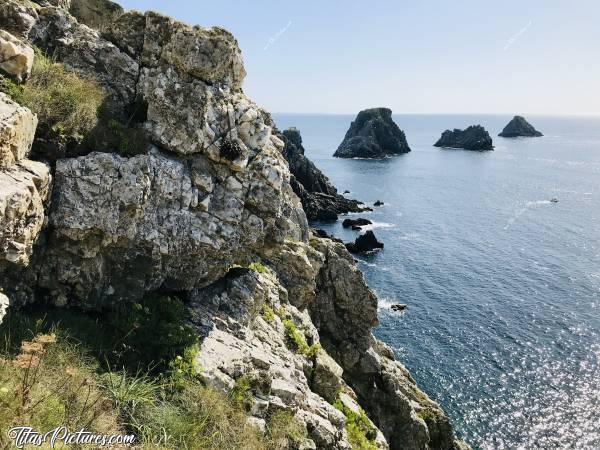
[(474, 137), (518, 127), (17, 130), (373, 134), (23, 189), (320, 199), (95, 13), (16, 57), (17, 17)]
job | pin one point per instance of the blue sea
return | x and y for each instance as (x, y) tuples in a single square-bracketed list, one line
[(502, 285)]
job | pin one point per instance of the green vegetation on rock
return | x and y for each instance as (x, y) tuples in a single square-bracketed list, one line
[(267, 313), (361, 433), (297, 341), (258, 267), (60, 378), (63, 101)]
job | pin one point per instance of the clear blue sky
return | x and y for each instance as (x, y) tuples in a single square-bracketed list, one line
[(429, 56)]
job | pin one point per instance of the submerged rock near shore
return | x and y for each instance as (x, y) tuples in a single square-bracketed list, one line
[(320, 199), (373, 134), (474, 137), (518, 127), (205, 210)]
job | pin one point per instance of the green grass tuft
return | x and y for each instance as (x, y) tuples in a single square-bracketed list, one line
[(258, 267), (63, 101), (267, 313), (297, 341), (361, 433)]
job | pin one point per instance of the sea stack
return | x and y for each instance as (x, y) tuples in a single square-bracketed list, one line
[(373, 134), (474, 137), (519, 127)]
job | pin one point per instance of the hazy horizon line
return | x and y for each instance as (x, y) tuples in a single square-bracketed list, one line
[(593, 115)]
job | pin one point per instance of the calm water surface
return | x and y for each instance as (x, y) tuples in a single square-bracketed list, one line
[(503, 286)]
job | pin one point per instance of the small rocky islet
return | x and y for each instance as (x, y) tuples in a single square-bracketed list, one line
[(519, 127), (373, 134), (474, 138)]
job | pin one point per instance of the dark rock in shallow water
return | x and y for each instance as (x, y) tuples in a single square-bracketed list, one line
[(373, 134), (346, 191), (320, 199), (356, 228), (518, 126), (364, 243), (398, 307), (347, 223), (474, 137), (378, 203)]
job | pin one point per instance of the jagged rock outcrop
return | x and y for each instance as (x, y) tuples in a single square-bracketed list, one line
[(519, 127), (320, 199), (474, 137), (17, 128), (364, 243), (16, 57), (95, 13), (24, 185), (211, 194), (240, 343), (349, 223), (373, 134)]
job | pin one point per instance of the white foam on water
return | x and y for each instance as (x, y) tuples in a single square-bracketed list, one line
[(519, 212)]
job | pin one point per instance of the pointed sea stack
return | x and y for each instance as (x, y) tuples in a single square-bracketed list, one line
[(474, 137), (519, 127), (373, 134)]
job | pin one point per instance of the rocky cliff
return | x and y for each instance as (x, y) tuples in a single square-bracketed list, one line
[(519, 127), (474, 137), (373, 134), (204, 209), (320, 199)]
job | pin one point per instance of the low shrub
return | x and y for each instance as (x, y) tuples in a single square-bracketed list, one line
[(361, 433), (49, 384), (50, 380), (63, 101)]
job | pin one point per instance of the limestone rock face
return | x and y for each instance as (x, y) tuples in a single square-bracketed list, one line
[(24, 185), (373, 134), (519, 127), (238, 341), (83, 50), (23, 189), (16, 57), (17, 17), (94, 13), (126, 226), (474, 137), (320, 199), (17, 129)]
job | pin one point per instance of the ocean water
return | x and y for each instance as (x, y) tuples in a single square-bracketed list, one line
[(502, 286)]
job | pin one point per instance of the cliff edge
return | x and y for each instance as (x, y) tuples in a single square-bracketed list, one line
[(201, 207)]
